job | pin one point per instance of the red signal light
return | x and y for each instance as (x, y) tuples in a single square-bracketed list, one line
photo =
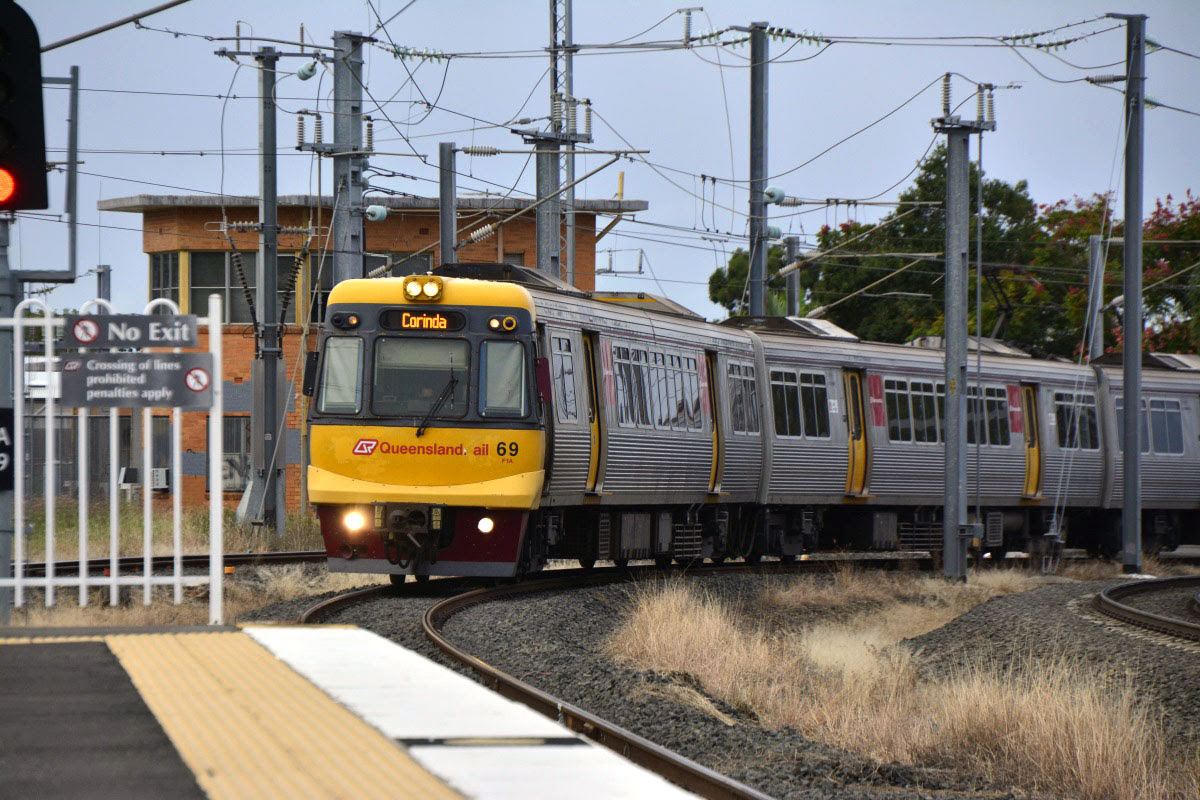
[(8, 185)]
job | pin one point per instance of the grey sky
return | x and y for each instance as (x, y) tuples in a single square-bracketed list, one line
[(1064, 138)]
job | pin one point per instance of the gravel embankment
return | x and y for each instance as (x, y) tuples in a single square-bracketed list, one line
[(1058, 621)]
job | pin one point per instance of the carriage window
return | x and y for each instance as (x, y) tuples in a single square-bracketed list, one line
[(815, 402), (996, 402), (1076, 418), (924, 405), (341, 376), (563, 364), (692, 387), (743, 398), (895, 394), (785, 399), (1143, 434), (503, 379), (1166, 426), (412, 375), (630, 368), (976, 425)]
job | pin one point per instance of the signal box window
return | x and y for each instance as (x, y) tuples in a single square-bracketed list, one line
[(502, 380), (563, 363), (1076, 418), (414, 377), (164, 277), (341, 376)]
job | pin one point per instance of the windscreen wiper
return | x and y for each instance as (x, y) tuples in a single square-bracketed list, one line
[(447, 390)]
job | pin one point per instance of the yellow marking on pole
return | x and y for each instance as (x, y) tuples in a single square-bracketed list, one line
[(249, 726)]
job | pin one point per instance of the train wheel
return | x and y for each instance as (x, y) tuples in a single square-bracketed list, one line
[(662, 562), (421, 578), (621, 563), (717, 560), (753, 558), (397, 580), (587, 563), (787, 559)]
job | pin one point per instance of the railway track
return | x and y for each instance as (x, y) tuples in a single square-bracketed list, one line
[(133, 564), (1109, 602), (681, 771)]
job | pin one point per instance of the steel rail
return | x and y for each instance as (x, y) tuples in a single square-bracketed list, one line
[(1108, 602), (133, 564)]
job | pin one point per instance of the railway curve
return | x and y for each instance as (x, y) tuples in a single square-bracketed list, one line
[(1109, 602)]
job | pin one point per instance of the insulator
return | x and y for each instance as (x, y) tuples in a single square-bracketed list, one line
[(979, 103), (370, 135), (301, 37), (481, 150), (790, 201), (556, 113), (687, 26), (479, 234), (991, 105), (299, 131), (587, 119), (572, 111), (946, 95), (319, 130), (1103, 79)]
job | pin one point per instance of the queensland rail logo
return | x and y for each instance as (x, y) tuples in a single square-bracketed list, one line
[(364, 447)]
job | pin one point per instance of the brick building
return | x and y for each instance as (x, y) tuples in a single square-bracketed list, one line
[(189, 259)]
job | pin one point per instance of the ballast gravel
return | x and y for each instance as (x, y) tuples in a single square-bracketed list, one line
[(555, 641)]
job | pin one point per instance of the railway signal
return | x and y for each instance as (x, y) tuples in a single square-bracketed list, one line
[(22, 127)]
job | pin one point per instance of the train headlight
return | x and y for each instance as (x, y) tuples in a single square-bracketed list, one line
[(494, 323), (354, 521), (413, 289), (509, 323), (431, 290), (486, 524)]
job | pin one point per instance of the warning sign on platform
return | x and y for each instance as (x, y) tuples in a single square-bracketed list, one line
[(138, 380), (131, 330)]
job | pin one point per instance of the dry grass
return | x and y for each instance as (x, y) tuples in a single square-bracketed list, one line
[(301, 532), (253, 588), (1093, 569), (1048, 727)]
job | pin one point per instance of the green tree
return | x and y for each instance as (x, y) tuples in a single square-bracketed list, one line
[(729, 286)]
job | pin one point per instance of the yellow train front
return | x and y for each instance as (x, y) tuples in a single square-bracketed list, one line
[(426, 451)]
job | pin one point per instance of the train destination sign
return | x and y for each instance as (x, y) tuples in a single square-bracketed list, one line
[(396, 320), (137, 380), (102, 331)]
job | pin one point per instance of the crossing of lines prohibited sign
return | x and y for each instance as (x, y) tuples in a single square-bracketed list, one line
[(196, 379)]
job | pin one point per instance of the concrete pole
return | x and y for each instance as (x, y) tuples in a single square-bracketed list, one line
[(73, 173), (791, 244), (570, 124), (448, 203), (1131, 517), (265, 426), (758, 167), (548, 213), (957, 224), (1095, 312), (348, 163), (7, 303)]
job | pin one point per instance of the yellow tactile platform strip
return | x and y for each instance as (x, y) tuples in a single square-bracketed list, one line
[(248, 726)]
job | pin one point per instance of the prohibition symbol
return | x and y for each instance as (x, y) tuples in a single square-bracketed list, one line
[(196, 379), (85, 331)]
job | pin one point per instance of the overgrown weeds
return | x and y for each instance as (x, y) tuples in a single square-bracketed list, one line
[(1059, 726)]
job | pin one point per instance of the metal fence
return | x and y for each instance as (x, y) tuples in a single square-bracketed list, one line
[(59, 473)]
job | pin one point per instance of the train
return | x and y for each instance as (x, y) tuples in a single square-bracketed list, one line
[(482, 419)]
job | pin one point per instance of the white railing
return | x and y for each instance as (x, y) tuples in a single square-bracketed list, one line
[(114, 580)]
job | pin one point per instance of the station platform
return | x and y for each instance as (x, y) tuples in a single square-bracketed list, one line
[(270, 711)]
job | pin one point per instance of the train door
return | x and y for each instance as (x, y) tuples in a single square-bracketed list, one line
[(710, 392), (856, 434), (1033, 446), (593, 409)]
